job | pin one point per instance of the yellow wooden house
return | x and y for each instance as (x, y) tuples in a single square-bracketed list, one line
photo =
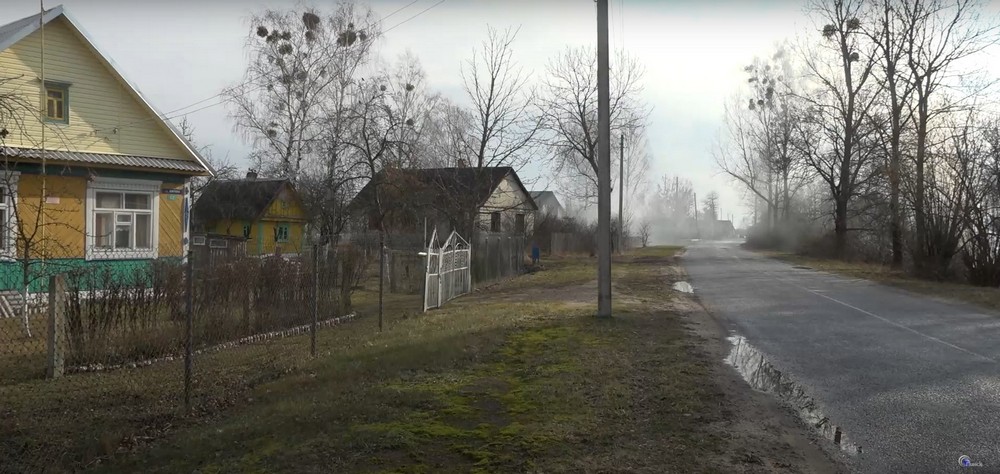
[(90, 174), (268, 213)]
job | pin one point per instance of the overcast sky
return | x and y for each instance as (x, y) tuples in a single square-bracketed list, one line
[(180, 52)]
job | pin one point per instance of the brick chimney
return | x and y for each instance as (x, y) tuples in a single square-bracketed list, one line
[(462, 163)]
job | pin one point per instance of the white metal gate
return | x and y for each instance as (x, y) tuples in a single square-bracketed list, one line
[(449, 271)]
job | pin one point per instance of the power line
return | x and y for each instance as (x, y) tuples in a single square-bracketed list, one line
[(404, 7), (169, 115), (196, 110), (397, 25)]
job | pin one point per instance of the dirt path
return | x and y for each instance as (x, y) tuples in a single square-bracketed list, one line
[(767, 436)]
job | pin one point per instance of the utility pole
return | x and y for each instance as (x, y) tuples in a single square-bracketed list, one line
[(621, 196), (603, 164), (697, 231)]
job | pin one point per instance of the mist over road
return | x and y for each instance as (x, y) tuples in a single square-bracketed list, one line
[(913, 380)]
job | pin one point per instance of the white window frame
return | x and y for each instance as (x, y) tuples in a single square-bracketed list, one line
[(122, 185), (8, 250), (198, 240), (218, 243)]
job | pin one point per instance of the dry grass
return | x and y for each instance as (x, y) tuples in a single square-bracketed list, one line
[(484, 384), (82, 419), (491, 382), (986, 297)]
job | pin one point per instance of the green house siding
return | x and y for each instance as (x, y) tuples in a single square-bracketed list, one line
[(89, 275)]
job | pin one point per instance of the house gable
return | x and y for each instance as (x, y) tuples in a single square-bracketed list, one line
[(106, 114), (285, 205), (510, 194)]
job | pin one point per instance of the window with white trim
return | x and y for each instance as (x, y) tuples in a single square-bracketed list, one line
[(8, 221), (122, 219), (281, 233)]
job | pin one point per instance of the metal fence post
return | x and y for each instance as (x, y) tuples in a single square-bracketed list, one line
[(423, 282), (315, 301), (440, 276), (57, 332), (189, 339), (381, 278)]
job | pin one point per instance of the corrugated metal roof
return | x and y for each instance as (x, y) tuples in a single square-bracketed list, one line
[(104, 159)]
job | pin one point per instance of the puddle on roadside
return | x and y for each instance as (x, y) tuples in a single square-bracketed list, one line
[(683, 287), (761, 375)]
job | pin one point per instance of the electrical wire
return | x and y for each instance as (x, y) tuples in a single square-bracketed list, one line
[(397, 25), (169, 115), (404, 7)]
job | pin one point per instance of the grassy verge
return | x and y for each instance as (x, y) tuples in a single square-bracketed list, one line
[(84, 419), (503, 380), (986, 297)]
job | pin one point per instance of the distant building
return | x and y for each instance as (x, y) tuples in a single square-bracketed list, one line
[(722, 230), (489, 199), (548, 204), (267, 213)]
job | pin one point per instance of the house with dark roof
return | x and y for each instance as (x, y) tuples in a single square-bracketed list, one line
[(469, 200), (266, 213), (548, 203), (96, 178)]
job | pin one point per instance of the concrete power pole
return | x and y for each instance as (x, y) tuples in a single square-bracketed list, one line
[(621, 196), (697, 231), (603, 164)]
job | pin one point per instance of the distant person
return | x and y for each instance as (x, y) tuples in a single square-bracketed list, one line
[(536, 253)]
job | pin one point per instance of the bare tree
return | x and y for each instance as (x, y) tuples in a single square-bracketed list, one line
[(638, 156), (738, 154), (569, 119), (953, 168), (299, 64), (30, 231), (835, 126), (981, 250), (374, 137), (505, 125), (938, 34), (446, 135), (887, 32), (711, 206), (672, 208), (644, 233), (14, 107), (224, 167)]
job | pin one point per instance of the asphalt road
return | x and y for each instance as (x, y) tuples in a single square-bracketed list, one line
[(913, 380)]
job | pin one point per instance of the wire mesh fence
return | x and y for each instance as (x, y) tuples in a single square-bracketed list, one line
[(99, 356)]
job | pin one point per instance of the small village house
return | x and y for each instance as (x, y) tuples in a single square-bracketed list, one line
[(92, 175), (548, 204), (266, 213), (469, 200)]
